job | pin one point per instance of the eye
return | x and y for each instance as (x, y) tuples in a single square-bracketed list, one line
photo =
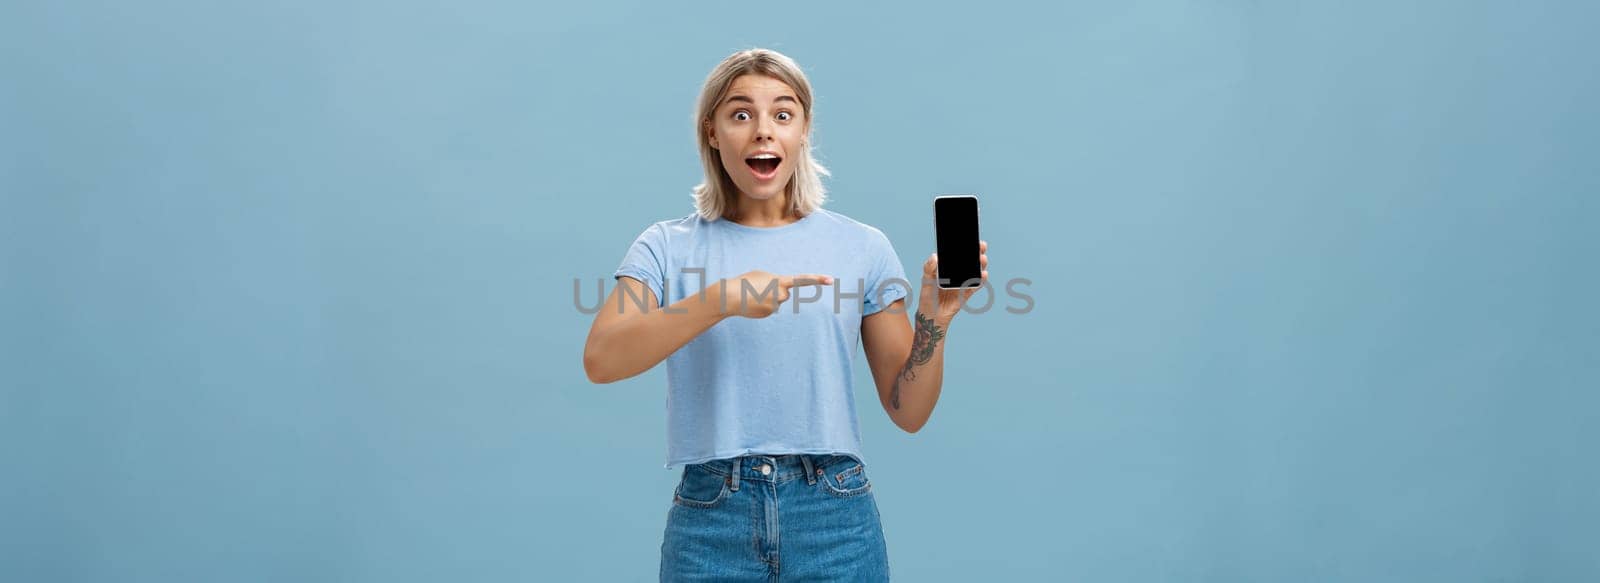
[(741, 115), (784, 116)]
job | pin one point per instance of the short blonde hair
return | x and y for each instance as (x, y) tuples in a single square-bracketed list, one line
[(714, 197)]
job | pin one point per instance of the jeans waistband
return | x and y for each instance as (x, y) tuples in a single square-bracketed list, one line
[(775, 468)]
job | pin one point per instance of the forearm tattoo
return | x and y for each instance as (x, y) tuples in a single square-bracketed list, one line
[(927, 339)]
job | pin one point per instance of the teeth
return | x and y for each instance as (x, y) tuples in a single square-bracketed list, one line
[(763, 157)]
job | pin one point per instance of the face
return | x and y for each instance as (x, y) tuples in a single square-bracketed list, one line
[(758, 131)]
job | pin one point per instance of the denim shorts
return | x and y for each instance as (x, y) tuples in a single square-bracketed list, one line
[(774, 518)]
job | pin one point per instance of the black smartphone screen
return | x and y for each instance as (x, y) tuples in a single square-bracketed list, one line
[(955, 220)]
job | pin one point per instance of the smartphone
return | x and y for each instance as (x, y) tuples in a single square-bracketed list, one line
[(955, 218)]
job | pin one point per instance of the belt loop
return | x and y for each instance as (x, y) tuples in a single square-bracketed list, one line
[(733, 477), (811, 475)]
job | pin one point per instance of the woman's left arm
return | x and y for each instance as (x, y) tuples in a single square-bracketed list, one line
[(908, 363)]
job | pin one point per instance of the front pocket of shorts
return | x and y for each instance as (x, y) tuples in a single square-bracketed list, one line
[(700, 488), (846, 479)]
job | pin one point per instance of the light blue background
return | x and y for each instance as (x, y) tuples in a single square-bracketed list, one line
[(287, 287)]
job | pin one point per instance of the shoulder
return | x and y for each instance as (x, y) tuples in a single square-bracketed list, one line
[(662, 231), (683, 224)]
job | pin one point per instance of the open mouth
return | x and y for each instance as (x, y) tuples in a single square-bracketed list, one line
[(764, 166)]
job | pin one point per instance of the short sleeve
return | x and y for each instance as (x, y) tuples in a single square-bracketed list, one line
[(646, 261), (887, 281)]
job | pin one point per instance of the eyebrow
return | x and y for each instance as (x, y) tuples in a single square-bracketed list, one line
[(748, 100)]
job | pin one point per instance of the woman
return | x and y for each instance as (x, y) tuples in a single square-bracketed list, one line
[(756, 302)]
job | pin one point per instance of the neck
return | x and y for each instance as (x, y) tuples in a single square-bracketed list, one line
[(762, 213)]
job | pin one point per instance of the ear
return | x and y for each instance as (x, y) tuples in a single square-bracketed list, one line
[(711, 135)]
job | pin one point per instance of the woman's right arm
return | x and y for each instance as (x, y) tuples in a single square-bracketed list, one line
[(630, 336)]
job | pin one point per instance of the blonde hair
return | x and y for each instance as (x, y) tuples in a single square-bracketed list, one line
[(715, 197)]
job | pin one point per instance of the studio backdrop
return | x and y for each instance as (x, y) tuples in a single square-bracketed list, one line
[(290, 291)]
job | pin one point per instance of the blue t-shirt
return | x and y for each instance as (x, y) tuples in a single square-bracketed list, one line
[(775, 385)]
